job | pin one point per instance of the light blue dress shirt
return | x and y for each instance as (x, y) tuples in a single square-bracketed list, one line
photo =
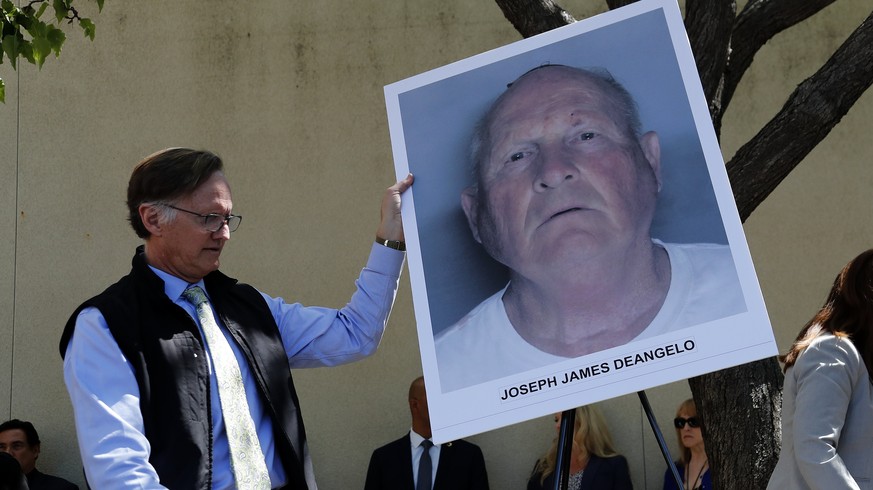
[(105, 395)]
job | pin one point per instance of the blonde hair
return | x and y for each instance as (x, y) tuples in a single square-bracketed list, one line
[(590, 437), (690, 408)]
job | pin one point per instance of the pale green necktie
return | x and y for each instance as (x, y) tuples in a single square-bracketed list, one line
[(246, 458)]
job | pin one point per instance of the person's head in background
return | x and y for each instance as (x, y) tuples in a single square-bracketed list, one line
[(20, 439), (689, 430), (418, 408)]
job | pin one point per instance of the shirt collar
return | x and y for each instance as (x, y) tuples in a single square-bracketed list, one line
[(173, 286), (415, 439)]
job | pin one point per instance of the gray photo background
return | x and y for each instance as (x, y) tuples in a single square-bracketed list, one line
[(438, 119)]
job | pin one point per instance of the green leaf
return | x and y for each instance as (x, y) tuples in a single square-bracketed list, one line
[(41, 10), (56, 38), (24, 21), (41, 49), (60, 10), (7, 5), (2, 91), (100, 5), (37, 29), (7, 28), (11, 48), (88, 27), (27, 52)]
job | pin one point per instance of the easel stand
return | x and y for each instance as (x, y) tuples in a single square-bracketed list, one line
[(565, 449), (565, 444)]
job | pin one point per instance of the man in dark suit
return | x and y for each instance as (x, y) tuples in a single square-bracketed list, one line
[(403, 464), (20, 439)]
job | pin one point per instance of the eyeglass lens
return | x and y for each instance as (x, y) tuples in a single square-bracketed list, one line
[(214, 222), (692, 422)]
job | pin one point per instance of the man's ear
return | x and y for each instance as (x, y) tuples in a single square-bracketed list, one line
[(151, 218), (651, 146), (470, 204)]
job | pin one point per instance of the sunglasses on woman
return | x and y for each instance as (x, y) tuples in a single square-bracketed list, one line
[(692, 422)]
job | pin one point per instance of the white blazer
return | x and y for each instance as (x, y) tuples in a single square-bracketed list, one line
[(827, 420)]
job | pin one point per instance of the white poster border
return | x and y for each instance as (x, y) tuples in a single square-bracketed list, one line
[(427, 104)]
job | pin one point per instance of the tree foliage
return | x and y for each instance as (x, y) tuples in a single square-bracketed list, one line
[(742, 404), (27, 32)]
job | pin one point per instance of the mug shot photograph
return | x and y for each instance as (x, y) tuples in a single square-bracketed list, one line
[(573, 235)]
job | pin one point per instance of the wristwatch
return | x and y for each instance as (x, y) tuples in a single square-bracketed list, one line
[(395, 244)]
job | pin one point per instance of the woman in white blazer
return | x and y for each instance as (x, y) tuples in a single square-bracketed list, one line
[(827, 407)]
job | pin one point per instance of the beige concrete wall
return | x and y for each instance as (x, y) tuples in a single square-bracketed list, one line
[(8, 197), (290, 94)]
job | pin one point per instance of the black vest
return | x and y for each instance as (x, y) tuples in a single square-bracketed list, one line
[(164, 346)]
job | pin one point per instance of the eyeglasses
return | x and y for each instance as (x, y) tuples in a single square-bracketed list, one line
[(213, 222), (692, 422)]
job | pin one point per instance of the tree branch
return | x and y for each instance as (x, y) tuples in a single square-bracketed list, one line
[(534, 17), (709, 24), (815, 107), (757, 24), (614, 4)]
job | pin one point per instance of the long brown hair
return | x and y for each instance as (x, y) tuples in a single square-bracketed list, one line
[(848, 312)]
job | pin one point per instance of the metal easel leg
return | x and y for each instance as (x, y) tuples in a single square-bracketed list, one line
[(565, 449), (660, 437)]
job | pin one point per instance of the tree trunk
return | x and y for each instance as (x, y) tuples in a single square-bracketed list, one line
[(532, 17), (740, 407)]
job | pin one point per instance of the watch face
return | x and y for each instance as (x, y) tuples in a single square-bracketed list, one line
[(395, 244)]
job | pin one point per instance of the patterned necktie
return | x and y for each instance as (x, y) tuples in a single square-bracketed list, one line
[(246, 458), (425, 467)]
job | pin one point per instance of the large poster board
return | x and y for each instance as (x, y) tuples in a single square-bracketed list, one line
[(476, 286)]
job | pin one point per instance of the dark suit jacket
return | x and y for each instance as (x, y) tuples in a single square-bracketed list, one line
[(461, 467), (600, 474), (41, 481)]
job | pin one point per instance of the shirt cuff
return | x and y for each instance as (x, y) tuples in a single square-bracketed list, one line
[(385, 260)]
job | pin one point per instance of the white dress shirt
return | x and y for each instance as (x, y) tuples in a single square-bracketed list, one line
[(415, 445)]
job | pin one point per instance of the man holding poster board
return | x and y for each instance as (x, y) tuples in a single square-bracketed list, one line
[(565, 194)]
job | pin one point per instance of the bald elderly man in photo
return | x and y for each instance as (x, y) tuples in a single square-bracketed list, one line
[(565, 193)]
